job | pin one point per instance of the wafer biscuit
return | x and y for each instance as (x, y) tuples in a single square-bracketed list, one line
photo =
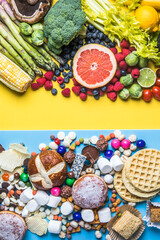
[(122, 190), (132, 189), (143, 170)]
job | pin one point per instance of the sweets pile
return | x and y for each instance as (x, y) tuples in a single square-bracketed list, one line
[(64, 190)]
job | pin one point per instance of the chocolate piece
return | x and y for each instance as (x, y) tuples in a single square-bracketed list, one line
[(91, 153), (25, 163), (69, 157), (66, 191), (70, 174), (1, 148), (155, 213), (78, 165), (102, 144), (5, 184)]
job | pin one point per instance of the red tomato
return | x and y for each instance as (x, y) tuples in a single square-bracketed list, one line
[(147, 95), (156, 92), (157, 82)]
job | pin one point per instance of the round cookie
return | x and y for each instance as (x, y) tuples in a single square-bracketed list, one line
[(89, 191), (12, 226)]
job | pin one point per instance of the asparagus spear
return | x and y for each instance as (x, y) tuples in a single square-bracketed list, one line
[(57, 58), (43, 52), (16, 56), (9, 38), (31, 51), (7, 54), (9, 11)]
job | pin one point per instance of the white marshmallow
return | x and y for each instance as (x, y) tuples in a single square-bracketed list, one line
[(61, 135), (25, 212), (65, 144), (42, 145), (117, 163), (117, 133), (87, 215), (104, 165), (53, 201), (94, 139), (54, 226), (74, 224), (53, 145), (41, 198), (26, 195), (108, 178), (32, 206), (104, 215), (67, 139), (66, 208), (72, 135)]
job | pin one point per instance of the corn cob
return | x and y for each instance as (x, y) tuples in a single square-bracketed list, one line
[(12, 76)]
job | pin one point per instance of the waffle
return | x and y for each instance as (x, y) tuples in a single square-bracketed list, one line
[(132, 189), (143, 170), (122, 190)]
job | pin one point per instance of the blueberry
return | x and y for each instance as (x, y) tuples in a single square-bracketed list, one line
[(70, 75), (73, 53), (90, 27), (71, 63), (88, 42), (66, 66), (108, 46), (97, 41), (112, 44), (89, 35), (70, 68), (66, 50), (79, 46), (62, 85), (66, 79), (81, 41), (64, 74), (102, 43), (74, 48), (104, 88), (123, 73), (97, 96), (94, 35), (107, 40), (94, 30), (57, 72), (67, 56), (54, 79), (61, 69), (92, 40), (100, 36), (95, 92), (54, 91), (83, 90)]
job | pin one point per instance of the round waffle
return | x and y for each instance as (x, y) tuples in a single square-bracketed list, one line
[(143, 170)]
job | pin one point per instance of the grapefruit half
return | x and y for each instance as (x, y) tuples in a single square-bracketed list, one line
[(94, 66)]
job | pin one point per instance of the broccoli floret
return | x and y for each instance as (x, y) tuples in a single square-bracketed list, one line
[(63, 22)]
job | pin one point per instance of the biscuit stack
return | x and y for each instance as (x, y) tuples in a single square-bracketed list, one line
[(140, 178)]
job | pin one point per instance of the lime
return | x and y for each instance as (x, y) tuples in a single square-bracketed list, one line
[(147, 78)]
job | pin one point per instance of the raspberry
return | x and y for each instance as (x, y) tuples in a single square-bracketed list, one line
[(49, 75), (66, 92), (123, 65), (125, 52), (34, 86), (132, 49), (114, 50), (75, 83), (114, 80), (101, 93), (89, 92), (48, 85), (124, 44), (110, 88), (112, 96), (118, 73), (135, 73), (83, 96), (119, 57), (118, 86), (60, 80), (76, 90), (41, 81)]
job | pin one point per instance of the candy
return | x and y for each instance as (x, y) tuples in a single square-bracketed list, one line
[(94, 139), (104, 165), (26, 195), (54, 226), (77, 216), (5, 177), (24, 177), (72, 135), (66, 208), (32, 206), (70, 174), (108, 154), (73, 224), (116, 163), (61, 149), (115, 143), (53, 145), (140, 143), (78, 165), (53, 201), (55, 191), (41, 198), (87, 215), (125, 143), (61, 135), (108, 179), (104, 215), (132, 138), (70, 181)]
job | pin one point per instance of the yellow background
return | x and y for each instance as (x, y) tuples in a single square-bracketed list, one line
[(40, 110)]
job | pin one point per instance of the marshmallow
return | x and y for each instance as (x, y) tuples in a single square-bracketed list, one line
[(41, 146), (25, 212), (117, 163), (94, 139), (72, 135), (108, 178), (32, 206), (104, 165), (61, 135), (67, 139), (65, 144), (66, 208), (87, 215), (74, 224), (53, 201), (54, 226), (41, 198), (26, 195), (53, 145), (104, 215)]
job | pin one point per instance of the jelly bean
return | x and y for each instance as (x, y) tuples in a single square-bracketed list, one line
[(115, 143), (77, 216), (125, 143), (24, 177), (61, 149), (70, 174), (5, 177), (55, 191), (70, 181), (140, 143), (108, 154), (57, 141)]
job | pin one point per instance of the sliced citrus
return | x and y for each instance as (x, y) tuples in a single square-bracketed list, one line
[(147, 78), (94, 65)]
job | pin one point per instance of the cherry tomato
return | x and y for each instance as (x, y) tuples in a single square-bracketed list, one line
[(147, 95), (156, 92), (157, 82)]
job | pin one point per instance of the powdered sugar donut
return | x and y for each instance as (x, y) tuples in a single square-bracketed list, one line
[(12, 226), (89, 191)]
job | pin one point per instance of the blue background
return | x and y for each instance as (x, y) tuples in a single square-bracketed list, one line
[(32, 139)]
